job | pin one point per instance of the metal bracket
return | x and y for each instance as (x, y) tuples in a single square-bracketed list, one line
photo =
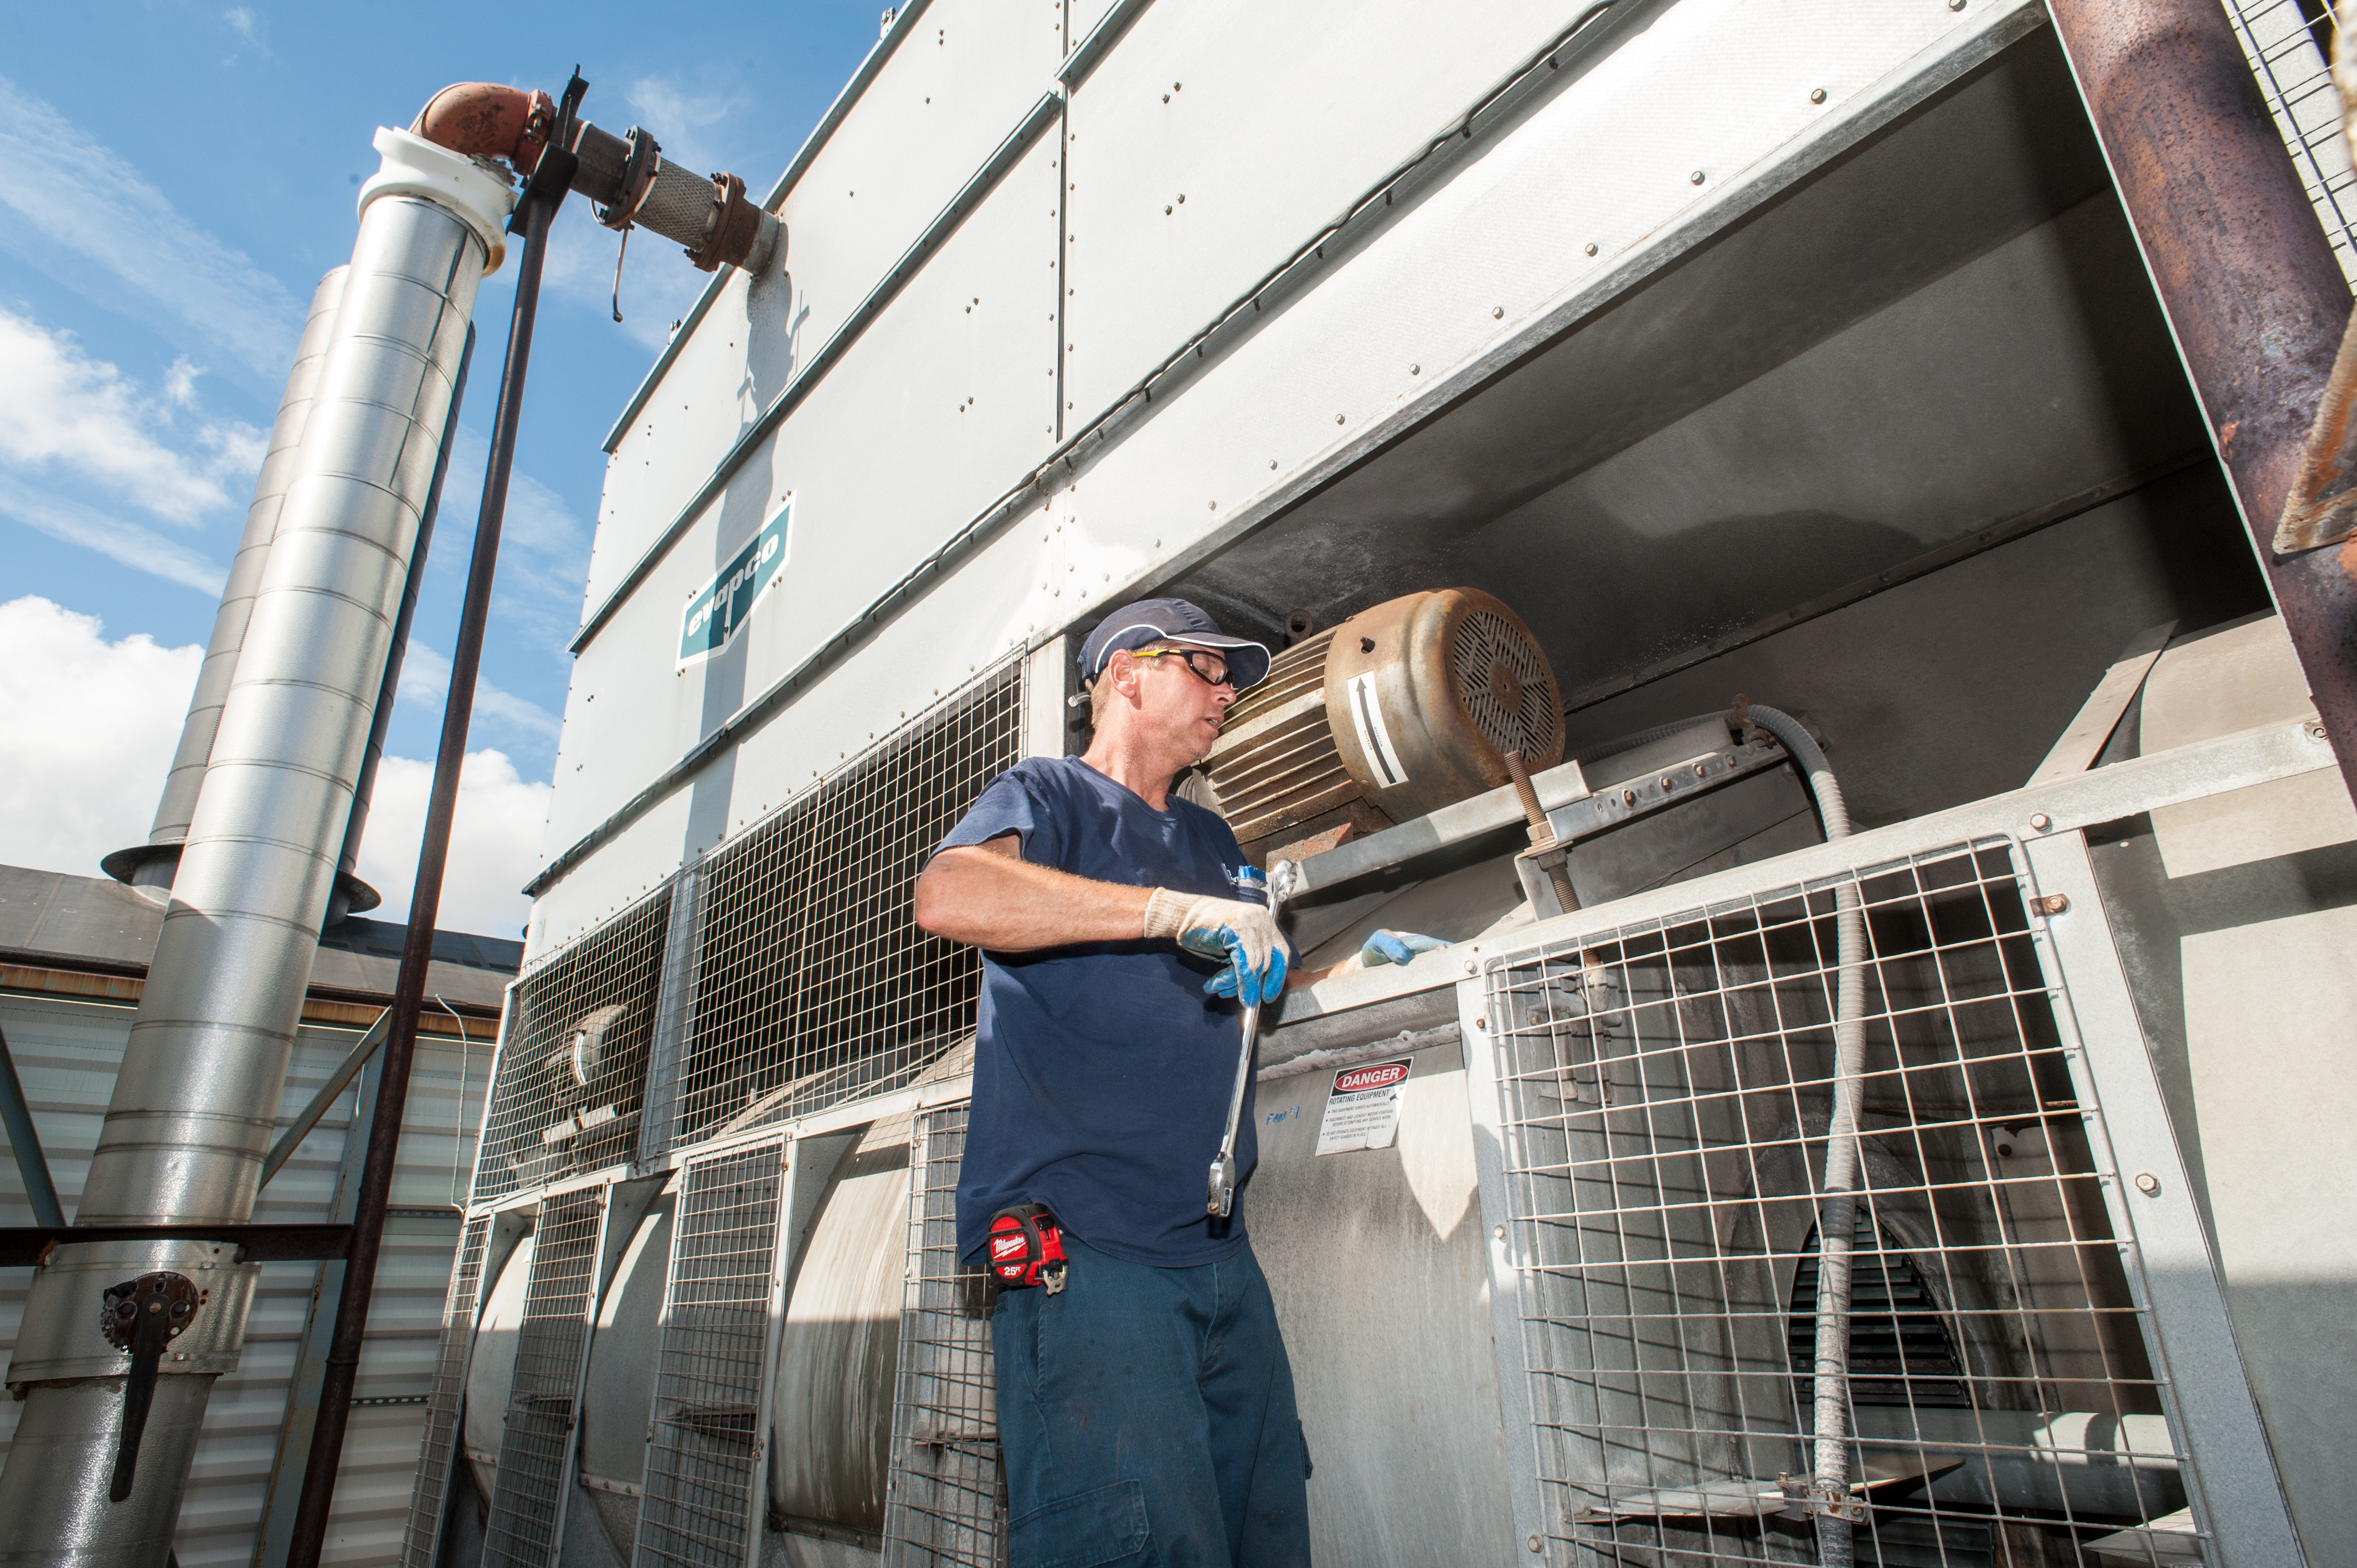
[(1806, 1497)]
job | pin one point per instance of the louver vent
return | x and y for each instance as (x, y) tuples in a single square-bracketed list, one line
[(720, 1314), (573, 1061), (535, 1464), (814, 983), (1899, 1350), (948, 1500), (438, 1452)]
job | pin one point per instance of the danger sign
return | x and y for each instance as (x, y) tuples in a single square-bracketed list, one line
[(1363, 1109)]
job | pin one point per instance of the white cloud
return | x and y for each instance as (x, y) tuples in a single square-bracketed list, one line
[(60, 409), (87, 732), (426, 678), (91, 221), (494, 842), (241, 22), (141, 549)]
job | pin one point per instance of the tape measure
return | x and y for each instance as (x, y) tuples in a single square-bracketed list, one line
[(1027, 1248)]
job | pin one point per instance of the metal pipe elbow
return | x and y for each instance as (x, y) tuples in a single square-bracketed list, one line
[(489, 120)]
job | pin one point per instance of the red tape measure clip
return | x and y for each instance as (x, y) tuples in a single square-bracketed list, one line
[(1027, 1248)]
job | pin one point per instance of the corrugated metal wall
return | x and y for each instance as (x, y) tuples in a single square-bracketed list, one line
[(67, 1053)]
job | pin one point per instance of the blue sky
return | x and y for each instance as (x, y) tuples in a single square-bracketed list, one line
[(179, 177)]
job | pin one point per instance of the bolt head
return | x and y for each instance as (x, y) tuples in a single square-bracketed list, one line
[(2041, 820), (1468, 966), (1818, 96), (1497, 313), (1696, 177), (1591, 248), (2147, 1183), (1535, 1543)]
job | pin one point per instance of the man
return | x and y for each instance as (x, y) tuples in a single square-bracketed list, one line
[(1145, 1406)]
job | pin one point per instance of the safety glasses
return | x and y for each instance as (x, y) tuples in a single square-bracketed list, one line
[(1218, 667)]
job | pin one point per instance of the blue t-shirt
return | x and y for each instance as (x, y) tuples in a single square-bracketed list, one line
[(1101, 1075)]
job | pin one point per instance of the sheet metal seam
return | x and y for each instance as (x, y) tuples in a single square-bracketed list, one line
[(970, 196), (903, 24), (1916, 82), (1459, 128)]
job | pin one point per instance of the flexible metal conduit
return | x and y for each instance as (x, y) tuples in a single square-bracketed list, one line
[(205, 1066), (1838, 1214), (150, 864)]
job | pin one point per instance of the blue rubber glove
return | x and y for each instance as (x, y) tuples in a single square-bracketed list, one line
[(1244, 937), (1398, 947)]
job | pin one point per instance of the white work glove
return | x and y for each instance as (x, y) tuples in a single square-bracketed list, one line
[(1243, 935)]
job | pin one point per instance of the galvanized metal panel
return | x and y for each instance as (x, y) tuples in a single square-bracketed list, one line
[(958, 374), (945, 99), (1197, 165), (1399, 1392), (67, 1053), (1495, 262)]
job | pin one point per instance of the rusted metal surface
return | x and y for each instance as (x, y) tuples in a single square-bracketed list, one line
[(487, 120), (2323, 506), (2252, 295)]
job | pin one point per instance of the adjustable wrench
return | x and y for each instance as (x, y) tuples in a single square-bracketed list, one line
[(1283, 877)]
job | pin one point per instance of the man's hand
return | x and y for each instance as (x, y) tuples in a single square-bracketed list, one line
[(1243, 935)]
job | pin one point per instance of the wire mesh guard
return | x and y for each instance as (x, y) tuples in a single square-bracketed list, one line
[(552, 1344), (814, 983), (1664, 1096), (946, 1500), (2288, 44), (720, 1306), (572, 1069), (438, 1450)]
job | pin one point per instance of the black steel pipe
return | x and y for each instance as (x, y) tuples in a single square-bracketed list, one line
[(356, 825), (26, 1141), (538, 209), (2253, 294)]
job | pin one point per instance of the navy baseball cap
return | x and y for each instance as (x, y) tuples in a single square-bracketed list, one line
[(1170, 620)]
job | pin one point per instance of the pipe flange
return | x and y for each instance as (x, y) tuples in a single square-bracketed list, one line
[(734, 225), (63, 1337), (415, 167), (639, 171)]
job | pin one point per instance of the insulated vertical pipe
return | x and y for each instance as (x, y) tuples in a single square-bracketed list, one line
[(2252, 295), (426, 896), (205, 1066), (356, 826), (178, 803)]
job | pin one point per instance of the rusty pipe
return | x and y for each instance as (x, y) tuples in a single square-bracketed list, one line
[(708, 215), (489, 120), (2252, 295)]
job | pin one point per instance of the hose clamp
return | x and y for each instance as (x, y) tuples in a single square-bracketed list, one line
[(1807, 1498)]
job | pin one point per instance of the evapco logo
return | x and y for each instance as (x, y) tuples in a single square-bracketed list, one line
[(1375, 1075), (720, 609)]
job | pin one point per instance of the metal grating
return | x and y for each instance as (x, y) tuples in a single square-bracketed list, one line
[(947, 1501), (721, 1305), (572, 1072), (2287, 43), (439, 1449), (528, 1497), (815, 984), (1664, 1094)]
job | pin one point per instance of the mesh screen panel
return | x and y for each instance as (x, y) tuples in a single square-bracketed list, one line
[(814, 983), (2286, 50), (572, 1073), (438, 1451), (543, 1403), (703, 1482), (1664, 1092), (948, 1500)]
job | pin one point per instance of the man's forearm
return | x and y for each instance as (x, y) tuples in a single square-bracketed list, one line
[(988, 897)]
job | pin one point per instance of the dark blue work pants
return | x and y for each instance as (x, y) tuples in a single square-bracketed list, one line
[(1146, 1418)]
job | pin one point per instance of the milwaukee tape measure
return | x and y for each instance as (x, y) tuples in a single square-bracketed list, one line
[(1027, 1248)]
